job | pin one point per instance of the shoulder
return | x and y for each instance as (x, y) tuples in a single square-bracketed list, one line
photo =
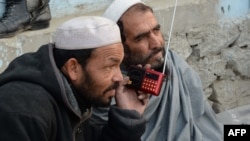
[(184, 70), (23, 97), (178, 62)]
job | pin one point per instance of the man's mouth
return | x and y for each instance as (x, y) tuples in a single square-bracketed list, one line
[(112, 87)]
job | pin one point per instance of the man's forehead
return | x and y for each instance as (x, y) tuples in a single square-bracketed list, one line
[(139, 22), (111, 50), (106, 55)]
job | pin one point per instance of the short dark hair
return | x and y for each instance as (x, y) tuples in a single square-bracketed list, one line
[(139, 7), (61, 56)]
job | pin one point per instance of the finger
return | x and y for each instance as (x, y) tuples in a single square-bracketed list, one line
[(139, 65), (145, 100), (143, 96), (120, 88), (147, 66), (125, 80)]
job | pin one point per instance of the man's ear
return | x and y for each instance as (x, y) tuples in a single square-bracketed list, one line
[(72, 69)]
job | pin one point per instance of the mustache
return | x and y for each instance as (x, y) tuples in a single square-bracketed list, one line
[(112, 87), (157, 50)]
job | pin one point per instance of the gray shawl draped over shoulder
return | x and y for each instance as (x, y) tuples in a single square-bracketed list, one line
[(181, 112)]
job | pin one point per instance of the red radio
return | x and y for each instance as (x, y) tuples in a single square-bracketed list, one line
[(146, 80)]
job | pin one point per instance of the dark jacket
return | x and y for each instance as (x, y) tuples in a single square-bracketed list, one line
[(37, 104)]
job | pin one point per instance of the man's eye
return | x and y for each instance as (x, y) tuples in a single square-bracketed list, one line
[(109, 68), (157, 28), (139, 38)]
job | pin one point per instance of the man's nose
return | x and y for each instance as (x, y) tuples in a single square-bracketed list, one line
[(118, 76), (154, 41)]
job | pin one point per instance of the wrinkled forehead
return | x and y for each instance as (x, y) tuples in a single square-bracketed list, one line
[(138, 22), (113, 50)]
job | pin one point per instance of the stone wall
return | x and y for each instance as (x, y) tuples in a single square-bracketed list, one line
[(221, 56), (217, 48)]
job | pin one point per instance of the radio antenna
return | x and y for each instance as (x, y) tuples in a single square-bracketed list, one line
[(169, 38)]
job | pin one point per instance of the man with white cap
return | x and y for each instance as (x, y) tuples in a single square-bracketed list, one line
[(181, 111), (48, 95)]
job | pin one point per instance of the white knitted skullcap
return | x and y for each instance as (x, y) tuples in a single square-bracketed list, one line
[(87, 32), (118, 7)]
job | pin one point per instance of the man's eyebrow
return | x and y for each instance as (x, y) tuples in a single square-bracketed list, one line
[(158, 26), (114, 59), (140, 35)]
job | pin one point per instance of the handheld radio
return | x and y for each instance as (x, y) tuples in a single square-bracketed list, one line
[(147, 80)]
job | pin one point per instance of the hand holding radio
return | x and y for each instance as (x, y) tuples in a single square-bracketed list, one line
[(145, 80), (127, 98)]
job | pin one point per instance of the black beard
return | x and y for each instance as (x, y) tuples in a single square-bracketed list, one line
[(86, 95), (136, 58)]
